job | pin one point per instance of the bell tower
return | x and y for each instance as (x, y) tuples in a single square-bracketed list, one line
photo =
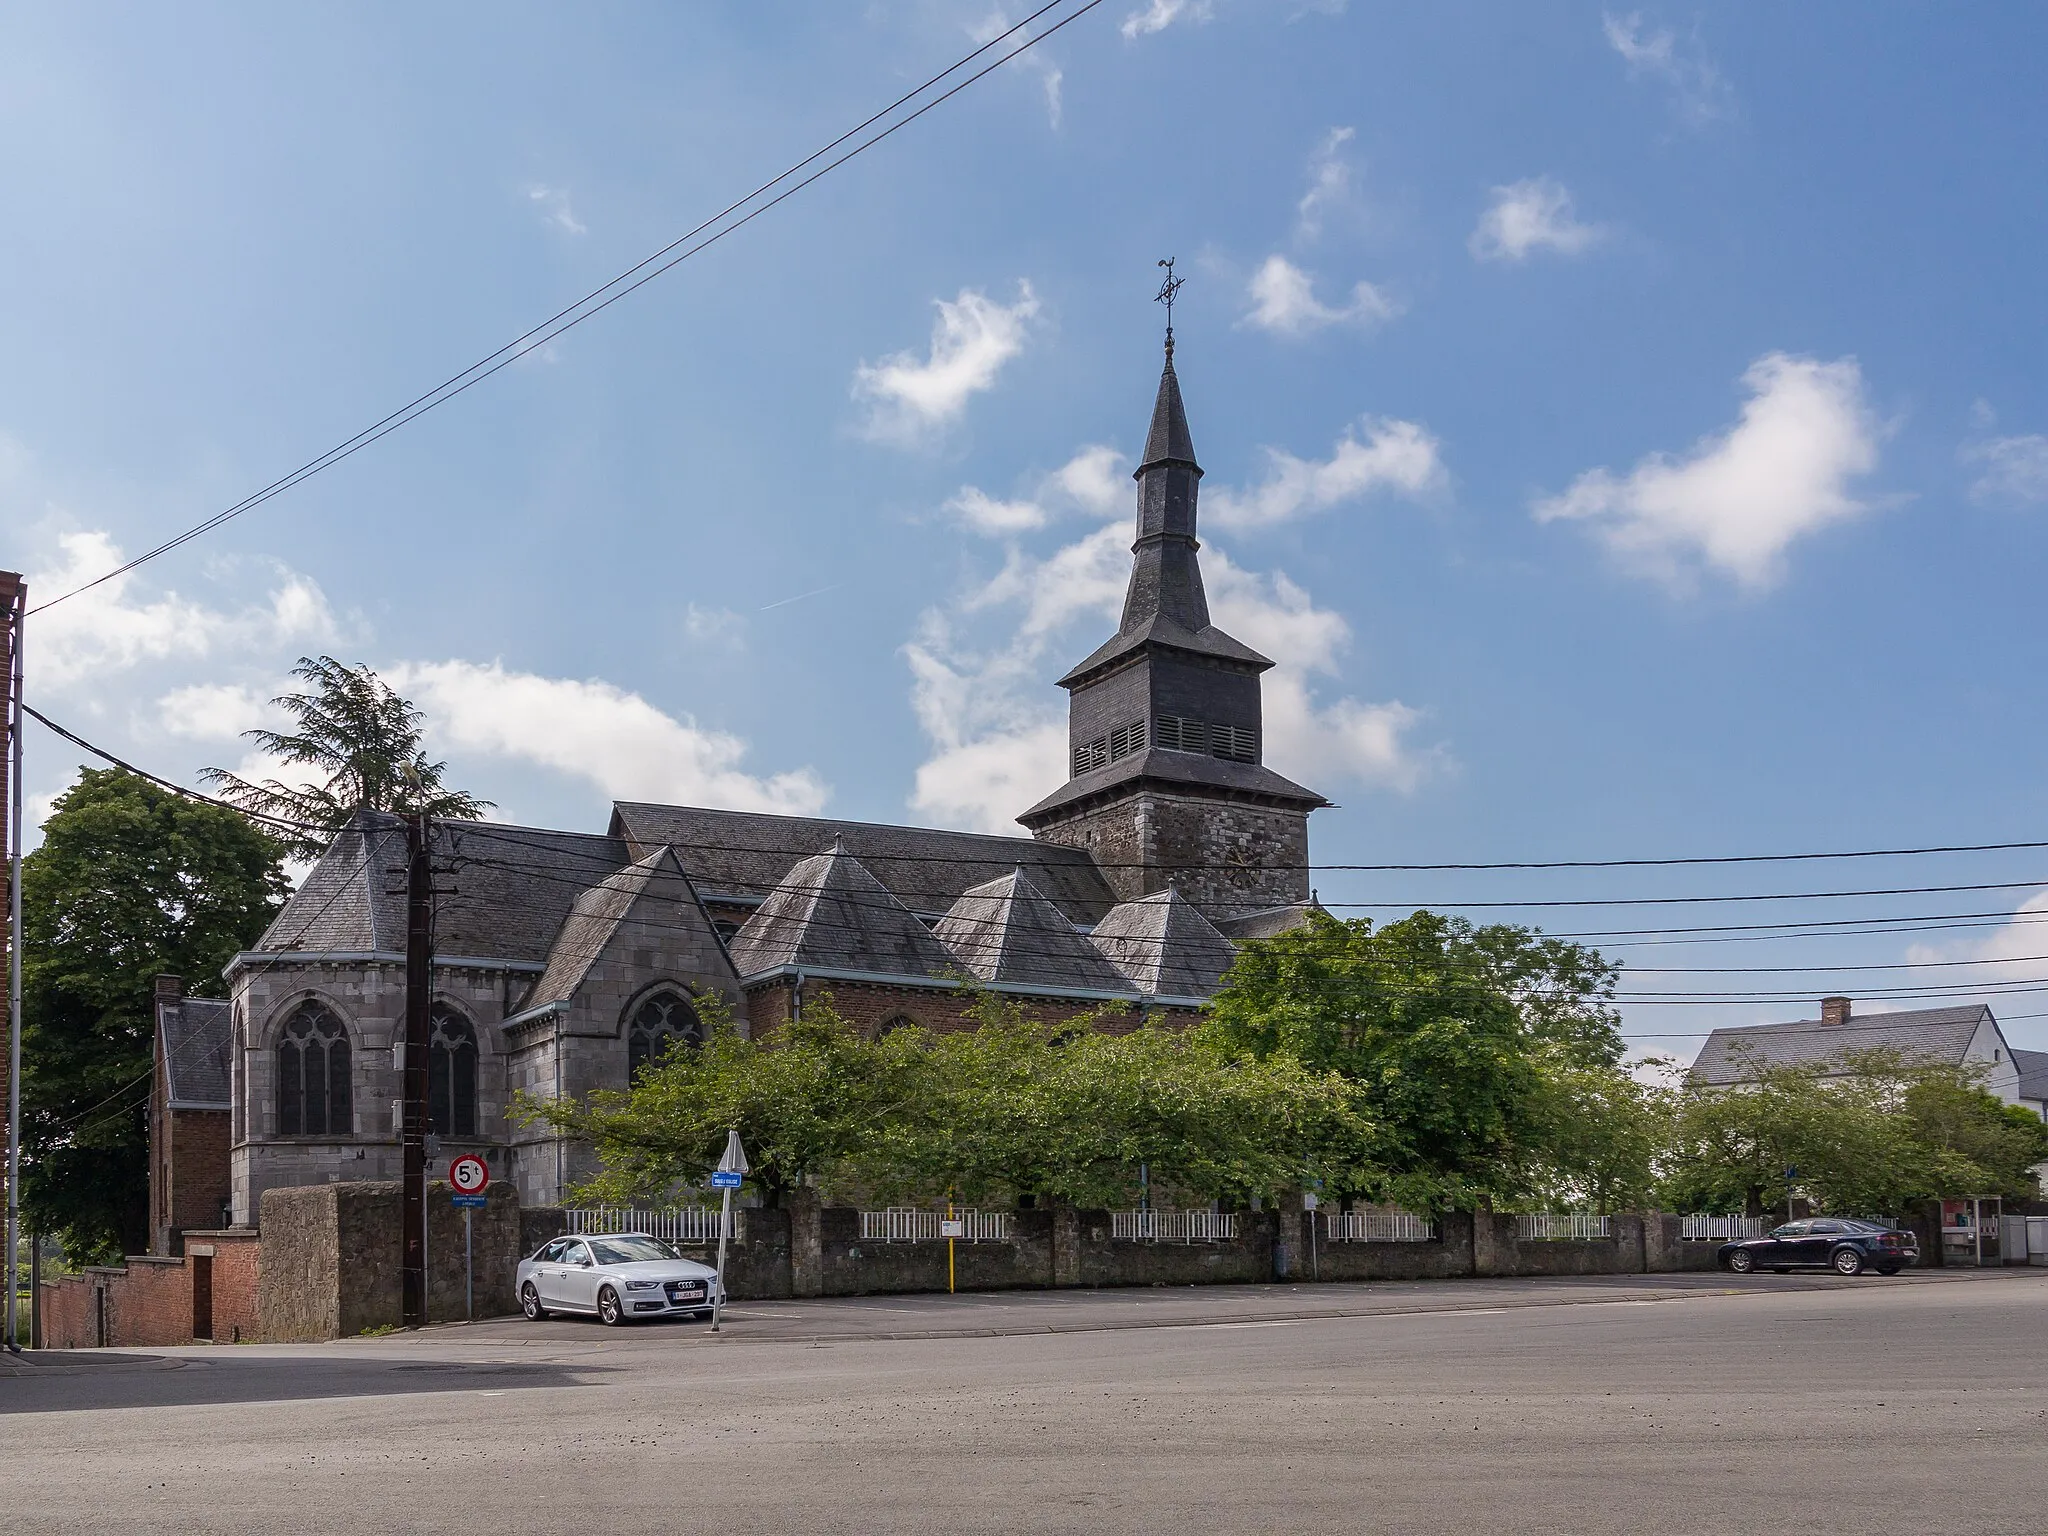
[(1166, 784)]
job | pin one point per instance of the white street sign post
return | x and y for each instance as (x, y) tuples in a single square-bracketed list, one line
[(731, 1169), (471, 1176)]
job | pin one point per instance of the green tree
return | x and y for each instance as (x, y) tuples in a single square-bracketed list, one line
[(130, 881), (807, 1097), (1603, 1132), (361, 742), (1449, 1031), (1870, 1132), (1072, 1111)]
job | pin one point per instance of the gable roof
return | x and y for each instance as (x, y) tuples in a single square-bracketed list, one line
[(601, 911), (1164, 946), (513, 889), (1938, 1034), (2033, 1066), (1009, 930), (195, 1038), (748, 853), (831, 912)]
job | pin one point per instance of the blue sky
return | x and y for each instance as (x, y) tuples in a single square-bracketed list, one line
[(1627, 427)]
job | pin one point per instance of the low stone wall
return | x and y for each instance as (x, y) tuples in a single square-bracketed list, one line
[(333, 1259)]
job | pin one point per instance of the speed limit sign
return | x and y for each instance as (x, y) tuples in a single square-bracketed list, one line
[(469, 1174)]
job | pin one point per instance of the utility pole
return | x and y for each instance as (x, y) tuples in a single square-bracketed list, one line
[(419, 999), (13, 611)]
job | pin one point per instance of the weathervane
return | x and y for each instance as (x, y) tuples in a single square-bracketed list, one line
[(1165, 295)]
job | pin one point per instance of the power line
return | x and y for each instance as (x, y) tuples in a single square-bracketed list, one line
[(591, 304)]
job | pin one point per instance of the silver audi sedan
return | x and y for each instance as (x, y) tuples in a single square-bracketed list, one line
[(618, 1277)]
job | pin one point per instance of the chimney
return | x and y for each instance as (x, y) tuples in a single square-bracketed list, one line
[(1834, 1010), (170, 989)]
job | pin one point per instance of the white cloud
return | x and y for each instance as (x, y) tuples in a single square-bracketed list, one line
[(111, 628), (972, 339), (614, 739), (553, 203), (714, 626), (1091, 481), (1284, 302), (1037, 60), (1331, 184), (2015, 468), (1391, 456), (1697, 89), (981, 669), (1529, 216), (216, 711), (1738, 500), (1161, 14)]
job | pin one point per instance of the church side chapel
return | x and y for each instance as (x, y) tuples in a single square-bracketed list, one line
[(565, 961)]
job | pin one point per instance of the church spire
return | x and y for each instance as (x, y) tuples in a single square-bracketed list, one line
[(1166, 577)]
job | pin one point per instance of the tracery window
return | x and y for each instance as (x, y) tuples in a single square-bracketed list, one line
[(312, 1075), (451, 1074), (659, 1025)]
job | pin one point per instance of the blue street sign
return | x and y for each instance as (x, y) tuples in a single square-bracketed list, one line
[(724, 1180), (470, 1202)]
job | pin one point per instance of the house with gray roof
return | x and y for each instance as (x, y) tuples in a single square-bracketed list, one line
[(191, 1096), (564, 961), (1962, 1036)]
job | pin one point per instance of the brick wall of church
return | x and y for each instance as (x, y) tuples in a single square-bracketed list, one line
[(868, 1006), (1227, 859)]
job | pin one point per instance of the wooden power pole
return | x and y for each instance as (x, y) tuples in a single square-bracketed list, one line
[(419, 999)]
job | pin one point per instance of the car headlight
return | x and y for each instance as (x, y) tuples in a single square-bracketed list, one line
[(643, 1285)]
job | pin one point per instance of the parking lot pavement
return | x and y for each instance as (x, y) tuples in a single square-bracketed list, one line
[(1675, 1403)]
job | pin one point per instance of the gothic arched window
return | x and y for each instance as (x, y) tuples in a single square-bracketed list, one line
[(312, 1075), (659, 1024), (894, 1022), (451, 1074)]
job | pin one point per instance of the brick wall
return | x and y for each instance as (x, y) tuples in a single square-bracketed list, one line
[(867, 1006)]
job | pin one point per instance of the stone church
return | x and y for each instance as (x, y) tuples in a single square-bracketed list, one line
[(566, 960)]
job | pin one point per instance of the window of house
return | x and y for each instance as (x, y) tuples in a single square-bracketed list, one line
[(451, 1074), (312, 1075), (894, 1022), (1091, 755), (1126, 739), (659, 1025)]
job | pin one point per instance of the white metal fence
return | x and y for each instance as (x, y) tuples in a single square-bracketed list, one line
[(677, 1224), (904, 1224), (1376, 1227), (1172, 1226), (1559, 1227), (1721, 1229)]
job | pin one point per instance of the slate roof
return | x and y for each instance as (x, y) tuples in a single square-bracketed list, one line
[(831, 912), (1008, 930), (1266, 923), (1164, 946), (2033, 1067), (596, 917), (1169, 440), (749, 853), (513, 888), (1171, 770), (1940, 1034), (196, 1037), (1159, 630)]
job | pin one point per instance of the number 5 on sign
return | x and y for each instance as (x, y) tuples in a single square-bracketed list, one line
[(469, 1174)]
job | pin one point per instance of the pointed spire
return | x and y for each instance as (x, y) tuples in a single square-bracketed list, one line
[(1168, 442)]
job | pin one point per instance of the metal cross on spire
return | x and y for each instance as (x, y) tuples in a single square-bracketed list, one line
[(1165, 295)]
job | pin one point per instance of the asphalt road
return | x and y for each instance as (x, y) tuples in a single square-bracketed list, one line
[(1665, 1403)]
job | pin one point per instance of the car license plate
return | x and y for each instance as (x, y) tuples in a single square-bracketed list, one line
[(680, 1292)]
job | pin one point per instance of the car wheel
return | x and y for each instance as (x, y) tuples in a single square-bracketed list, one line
[(1742, 1263), (529, 1302), (1848, 1261), (609, 1312)]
